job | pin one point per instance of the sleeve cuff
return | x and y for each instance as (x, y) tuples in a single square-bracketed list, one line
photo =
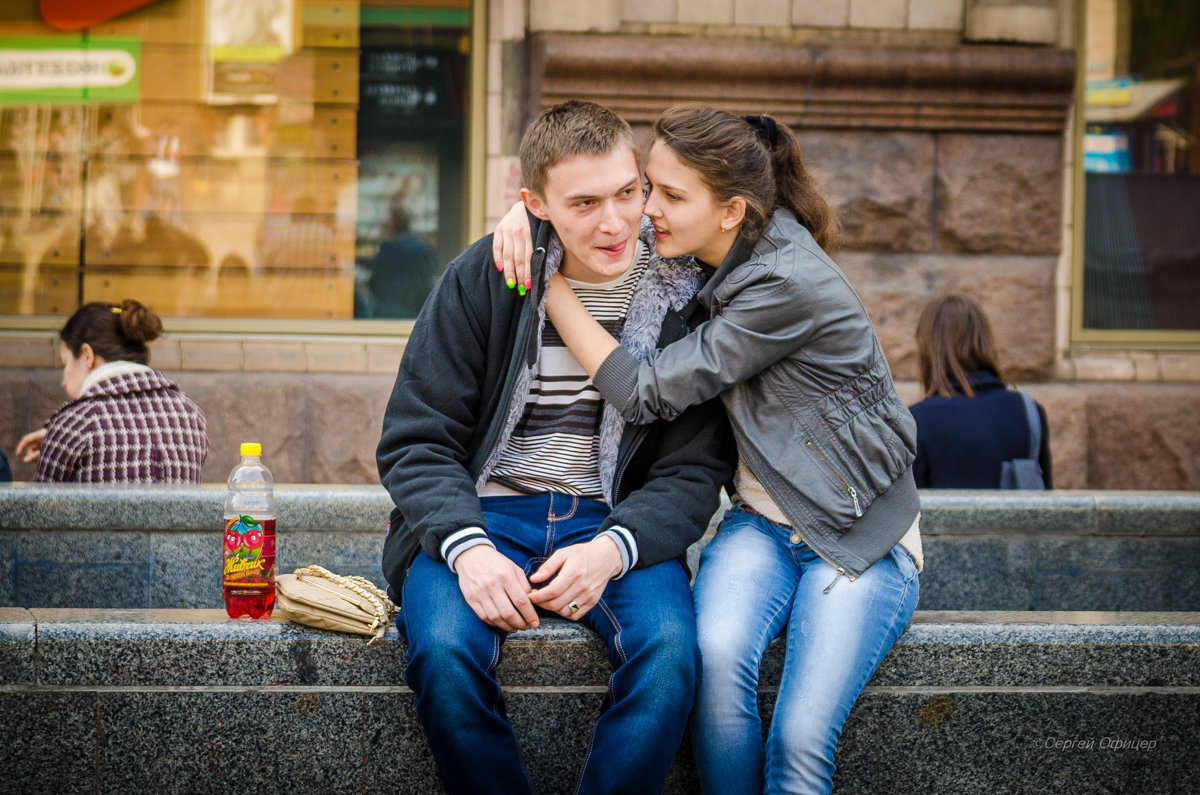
[(626, 544), (617, 378), (461, 540)]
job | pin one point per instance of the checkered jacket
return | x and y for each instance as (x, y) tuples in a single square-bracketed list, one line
[(132, 428)]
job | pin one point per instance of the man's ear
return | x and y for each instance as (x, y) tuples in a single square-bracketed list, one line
[(735, 213), (534, 204)]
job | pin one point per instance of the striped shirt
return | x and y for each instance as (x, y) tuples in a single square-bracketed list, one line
[(555, 445)]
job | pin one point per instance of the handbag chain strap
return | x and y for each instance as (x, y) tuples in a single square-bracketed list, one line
[(383, 606)]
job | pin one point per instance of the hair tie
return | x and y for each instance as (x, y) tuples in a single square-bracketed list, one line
[(116, 310), (765, 127)]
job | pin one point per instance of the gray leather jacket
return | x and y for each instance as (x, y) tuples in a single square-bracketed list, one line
[(789, 348)]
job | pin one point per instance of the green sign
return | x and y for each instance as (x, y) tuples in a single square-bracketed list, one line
[(70, 70)]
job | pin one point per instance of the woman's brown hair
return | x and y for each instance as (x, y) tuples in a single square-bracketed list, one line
[(954, 338), (113, 331), (754, 157)]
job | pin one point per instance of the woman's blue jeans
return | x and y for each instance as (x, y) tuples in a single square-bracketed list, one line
[(753, 583), (646, 620)]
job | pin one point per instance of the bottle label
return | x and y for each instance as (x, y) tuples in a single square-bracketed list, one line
[(249, 552)]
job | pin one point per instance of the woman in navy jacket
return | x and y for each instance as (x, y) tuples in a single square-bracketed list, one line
[(970, 421)]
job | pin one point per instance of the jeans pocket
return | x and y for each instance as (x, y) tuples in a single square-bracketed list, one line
[(904, 562)]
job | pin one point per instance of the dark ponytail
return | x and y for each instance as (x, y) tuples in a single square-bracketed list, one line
[(754, 157), (795, 190), (114, 332)]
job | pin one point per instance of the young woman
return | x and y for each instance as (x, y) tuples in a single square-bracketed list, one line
[(825, 512), (970, 421), (124, 422)]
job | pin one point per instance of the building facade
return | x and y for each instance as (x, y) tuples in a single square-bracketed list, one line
[(283, 181)]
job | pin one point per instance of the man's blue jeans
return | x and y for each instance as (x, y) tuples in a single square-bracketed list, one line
[(754, 582), (646, 620)]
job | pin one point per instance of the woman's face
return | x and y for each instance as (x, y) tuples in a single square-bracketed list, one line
[(687, 218), (75, 368)]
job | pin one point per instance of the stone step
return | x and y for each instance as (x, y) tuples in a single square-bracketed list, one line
[(189, 701)]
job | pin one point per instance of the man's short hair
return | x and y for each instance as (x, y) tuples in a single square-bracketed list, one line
[(570, 128)]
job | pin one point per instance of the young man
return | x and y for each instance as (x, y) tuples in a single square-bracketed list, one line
[(516, 489)]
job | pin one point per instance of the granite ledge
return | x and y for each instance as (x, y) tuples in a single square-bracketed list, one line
[(204, 648), (41, 506), (363, 508)]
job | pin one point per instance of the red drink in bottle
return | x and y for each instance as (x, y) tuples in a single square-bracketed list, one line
[(248, 544), (248, 581)]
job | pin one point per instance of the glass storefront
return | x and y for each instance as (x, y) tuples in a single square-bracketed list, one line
[(290, 159), (1141, 158)]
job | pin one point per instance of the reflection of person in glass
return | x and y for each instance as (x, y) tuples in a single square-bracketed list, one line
[(402, 273)]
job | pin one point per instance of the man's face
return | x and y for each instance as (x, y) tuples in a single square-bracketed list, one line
[(595, 204)]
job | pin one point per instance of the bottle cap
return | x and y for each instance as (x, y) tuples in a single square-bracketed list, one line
[(251, 448)]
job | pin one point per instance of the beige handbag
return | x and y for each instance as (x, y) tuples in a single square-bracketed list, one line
[(317, 597)]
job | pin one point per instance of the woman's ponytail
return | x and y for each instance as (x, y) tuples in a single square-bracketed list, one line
[(795, 190)]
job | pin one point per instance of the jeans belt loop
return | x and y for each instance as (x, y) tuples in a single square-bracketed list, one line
[(745, 506)]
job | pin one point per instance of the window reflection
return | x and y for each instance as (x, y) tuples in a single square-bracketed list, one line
[(244, 173)]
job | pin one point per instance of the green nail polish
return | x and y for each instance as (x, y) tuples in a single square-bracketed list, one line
[(521, 290), (511, 283)]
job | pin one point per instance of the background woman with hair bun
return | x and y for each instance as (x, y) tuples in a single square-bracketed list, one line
[(125, 422)]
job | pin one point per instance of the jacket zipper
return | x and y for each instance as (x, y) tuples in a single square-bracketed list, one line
[(639, 435), (841, 572), (845, 484)]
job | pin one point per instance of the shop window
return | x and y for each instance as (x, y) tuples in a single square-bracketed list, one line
[(251, 165), (411, 150), (1141, 252)]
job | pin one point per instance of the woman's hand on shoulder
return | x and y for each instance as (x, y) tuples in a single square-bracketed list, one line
[(30, 446), (512, 249)]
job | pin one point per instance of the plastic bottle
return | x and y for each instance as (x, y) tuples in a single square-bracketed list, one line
[(248, 578)]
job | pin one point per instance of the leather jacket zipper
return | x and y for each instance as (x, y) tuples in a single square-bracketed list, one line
[(840, 571), (845, 483)]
